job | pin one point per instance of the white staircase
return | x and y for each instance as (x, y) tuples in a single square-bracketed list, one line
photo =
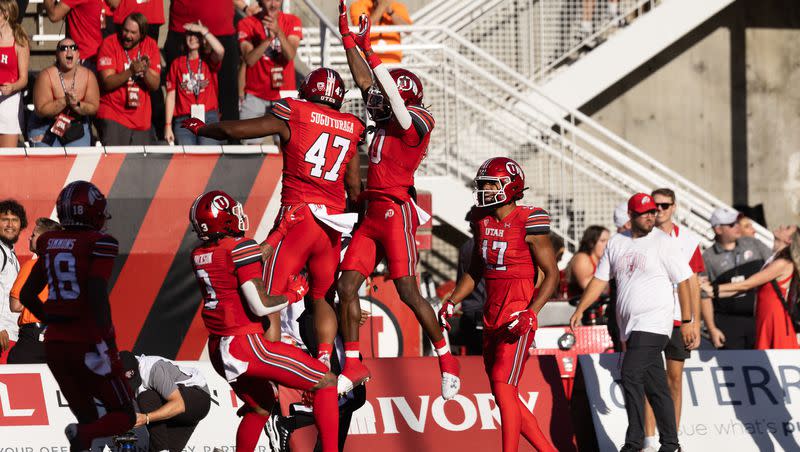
[(627, 49)]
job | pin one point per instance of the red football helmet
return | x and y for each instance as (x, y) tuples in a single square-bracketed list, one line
[(323, 85), (504, 172), (82, 204), (409, 86), (216, 214)]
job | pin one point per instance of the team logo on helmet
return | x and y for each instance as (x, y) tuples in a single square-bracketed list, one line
[(93, 195), (219, 204), (512, 168), (404, 83), (321, 86)]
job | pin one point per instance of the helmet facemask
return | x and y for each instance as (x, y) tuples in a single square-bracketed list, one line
[(376, 105), (495, 196), (238, 211)]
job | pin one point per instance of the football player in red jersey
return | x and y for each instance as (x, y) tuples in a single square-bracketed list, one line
[(80, 343), (228, 269), (320, 161), (403, 128), (511, 243)]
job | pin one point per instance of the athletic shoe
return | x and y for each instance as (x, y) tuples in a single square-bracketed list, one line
[(283, 435), (71, 431), (451, 384), (354, 374), (272, 432)]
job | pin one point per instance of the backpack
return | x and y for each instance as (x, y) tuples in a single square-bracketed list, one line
[(790, 302)]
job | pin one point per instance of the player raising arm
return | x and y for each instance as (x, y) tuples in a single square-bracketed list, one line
[(511, 243)]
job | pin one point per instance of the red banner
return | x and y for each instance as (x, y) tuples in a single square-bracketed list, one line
[(405, 412)]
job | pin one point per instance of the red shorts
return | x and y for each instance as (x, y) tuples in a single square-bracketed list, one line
[(310, 244), (388, 230), (505, 297), (84, 373), (504, 355), (247, 362)]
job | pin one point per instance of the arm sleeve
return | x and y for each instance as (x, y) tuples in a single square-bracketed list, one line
[(603, 270), (246, 257), (281, 109), (538, 222), (422, 121), (163, 375), (390, 89), (103, 253)]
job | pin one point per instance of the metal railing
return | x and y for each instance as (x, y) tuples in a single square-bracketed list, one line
[(578, 169)]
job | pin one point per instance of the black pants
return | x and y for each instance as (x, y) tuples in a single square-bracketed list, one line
[(739, 330), (471, 332), (643, 373), (29, 348), (228, 73), (173, 434)]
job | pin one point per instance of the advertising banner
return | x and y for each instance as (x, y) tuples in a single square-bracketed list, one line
[(404, 410), (746, 400)]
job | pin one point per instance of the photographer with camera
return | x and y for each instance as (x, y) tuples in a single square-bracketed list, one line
[(172, 399), (64, 97)]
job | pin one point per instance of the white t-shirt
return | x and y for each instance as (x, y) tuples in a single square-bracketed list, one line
[(645, 270), (9, 269), (689, 243)]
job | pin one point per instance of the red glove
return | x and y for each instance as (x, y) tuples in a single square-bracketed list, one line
[(297, 289), (344, 27), (193, 125), (445, 312), (290, 218), (362, 36), (525, 321)]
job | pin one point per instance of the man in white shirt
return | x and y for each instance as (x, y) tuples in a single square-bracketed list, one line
[(12, 221), (645, 262)]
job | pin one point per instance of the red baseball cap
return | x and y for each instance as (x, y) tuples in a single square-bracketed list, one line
[(641, 203)]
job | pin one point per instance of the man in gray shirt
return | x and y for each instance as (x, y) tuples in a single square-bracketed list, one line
[(172, 399), (732, 258)]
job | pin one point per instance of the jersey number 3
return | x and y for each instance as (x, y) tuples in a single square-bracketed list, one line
[(316, 156)]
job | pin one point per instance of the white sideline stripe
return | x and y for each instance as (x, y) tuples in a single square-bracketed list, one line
[(82, 169), (274, 205)]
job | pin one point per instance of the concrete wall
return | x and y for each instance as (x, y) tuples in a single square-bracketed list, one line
[(722, 106)]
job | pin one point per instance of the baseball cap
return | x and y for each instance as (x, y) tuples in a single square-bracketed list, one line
[(131, 366), (641, 202), (723, 215), (621, 215)]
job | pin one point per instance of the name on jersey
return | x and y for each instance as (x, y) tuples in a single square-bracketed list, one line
[(491, 232), (202, 259), (60, 244), (327, 121)]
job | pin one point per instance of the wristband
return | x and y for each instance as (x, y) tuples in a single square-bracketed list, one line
[(684, 321), (348, 42), (147, 418), (373, 60)]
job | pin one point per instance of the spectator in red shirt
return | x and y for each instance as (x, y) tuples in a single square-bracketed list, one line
[(15, 53), (217, 15), (192, 86), (268, 41), (129, 64), (153, 11), (84, 22)]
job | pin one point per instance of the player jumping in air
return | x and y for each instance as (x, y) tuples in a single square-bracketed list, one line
[(511, 243), (403, 128)]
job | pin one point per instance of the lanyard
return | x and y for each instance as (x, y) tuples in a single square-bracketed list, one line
[(194, 82), (64, 86), (138, 54)]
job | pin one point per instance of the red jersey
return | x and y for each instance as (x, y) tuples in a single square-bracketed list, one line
[(258, 78), (9, 67), (113, 105), (153, 10), (395, 154), (221, 268), (502, 244), (69, 259), (196, 82), (215, 14), (322, 141), (83, 25)]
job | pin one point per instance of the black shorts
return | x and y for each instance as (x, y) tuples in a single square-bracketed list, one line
[(676, 347)]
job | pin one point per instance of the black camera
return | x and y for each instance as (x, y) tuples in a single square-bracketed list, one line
[(126, 441)]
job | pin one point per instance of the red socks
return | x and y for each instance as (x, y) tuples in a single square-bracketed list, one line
[(447, 362), (326, 417), (250, 428), (351, 352)]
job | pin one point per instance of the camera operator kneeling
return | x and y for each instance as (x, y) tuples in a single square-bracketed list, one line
[(172, 399)]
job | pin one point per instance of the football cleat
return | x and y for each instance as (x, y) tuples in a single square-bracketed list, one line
[(271, 430), (451, 384), (353, 375)]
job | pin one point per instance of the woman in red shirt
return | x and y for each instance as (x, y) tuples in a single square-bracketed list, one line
[(14, 55), (192, 85)]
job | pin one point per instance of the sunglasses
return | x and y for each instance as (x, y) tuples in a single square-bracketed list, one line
[(64, 47), (665, 205), (649, 212)]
